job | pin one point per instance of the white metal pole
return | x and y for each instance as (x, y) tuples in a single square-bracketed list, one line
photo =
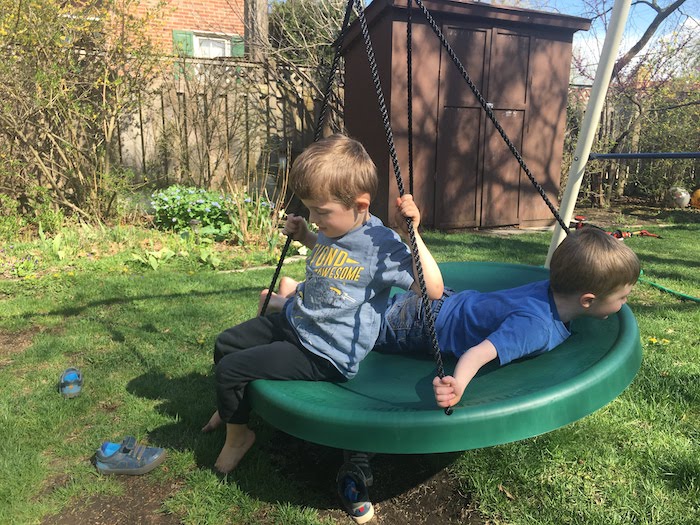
[(590, 119)]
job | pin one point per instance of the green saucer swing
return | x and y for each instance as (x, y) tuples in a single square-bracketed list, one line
[(389, 406)]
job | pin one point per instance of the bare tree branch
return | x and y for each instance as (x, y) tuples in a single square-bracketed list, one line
[(661, 15)]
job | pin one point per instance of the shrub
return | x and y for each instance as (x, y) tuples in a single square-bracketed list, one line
[(178, 207), (47, 215), (242, 218), (10, 220)]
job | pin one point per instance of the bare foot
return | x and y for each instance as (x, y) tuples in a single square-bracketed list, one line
[(287, 286), (214, 423), (275, 304), (231, 454), (261, 300)]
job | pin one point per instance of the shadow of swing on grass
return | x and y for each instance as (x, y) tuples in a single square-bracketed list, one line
[(304, 472)]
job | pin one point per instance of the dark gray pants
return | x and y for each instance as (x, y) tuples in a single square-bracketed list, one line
[(262, 348)]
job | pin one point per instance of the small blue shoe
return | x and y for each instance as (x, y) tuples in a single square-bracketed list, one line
[(127, 457), (352, 490), (71, 383), (361, 459)]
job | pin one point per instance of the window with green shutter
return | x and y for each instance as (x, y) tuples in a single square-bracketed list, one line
[(207, 45)]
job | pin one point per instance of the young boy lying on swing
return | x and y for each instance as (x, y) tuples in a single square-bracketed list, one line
[(333, 318), (591, 274)]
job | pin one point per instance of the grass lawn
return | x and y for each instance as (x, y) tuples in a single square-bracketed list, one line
[(143, 338)]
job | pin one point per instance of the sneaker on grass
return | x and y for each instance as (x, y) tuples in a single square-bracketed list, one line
[(128, 457), (70, 383)]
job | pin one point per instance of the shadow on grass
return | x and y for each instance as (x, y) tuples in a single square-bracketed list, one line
[(674, 215), (189, 399), (683, 307), (304, 473), (111, 301)]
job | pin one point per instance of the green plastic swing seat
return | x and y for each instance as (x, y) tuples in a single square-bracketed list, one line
[(389, 406)]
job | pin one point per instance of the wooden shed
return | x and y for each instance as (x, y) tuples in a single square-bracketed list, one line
[(464, 174)]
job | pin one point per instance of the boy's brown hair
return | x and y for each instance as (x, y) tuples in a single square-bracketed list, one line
[(336, 167), (591, 261)]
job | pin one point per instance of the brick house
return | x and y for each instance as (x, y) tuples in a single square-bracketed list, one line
[(207, 28)]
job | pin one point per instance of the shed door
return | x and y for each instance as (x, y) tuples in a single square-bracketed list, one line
[(501, 186), (508, 93), (457, 192), (460, 128), (478, 179)]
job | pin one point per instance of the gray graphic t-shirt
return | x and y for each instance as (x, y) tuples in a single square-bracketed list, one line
[(337, 310)]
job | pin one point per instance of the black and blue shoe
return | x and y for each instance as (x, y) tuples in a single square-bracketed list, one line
[(360, 459), (352, 489), (128, 457)]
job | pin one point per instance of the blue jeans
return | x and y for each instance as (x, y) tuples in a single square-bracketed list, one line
[(404, 329)]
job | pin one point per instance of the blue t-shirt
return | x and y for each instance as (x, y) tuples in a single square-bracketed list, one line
[(518, 321), (336, 312)]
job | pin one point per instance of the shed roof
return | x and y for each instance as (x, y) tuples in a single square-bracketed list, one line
[(464, 10)]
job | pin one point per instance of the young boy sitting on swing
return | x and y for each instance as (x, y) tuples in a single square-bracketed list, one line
[(333, 318)]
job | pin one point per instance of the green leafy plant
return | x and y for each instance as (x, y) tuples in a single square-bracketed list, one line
[(183, 209), (242, 218), (254, 219), (153, 258), (26, 266), (208, 256), (56, 245)]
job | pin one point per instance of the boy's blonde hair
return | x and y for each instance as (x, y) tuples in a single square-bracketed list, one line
[(336, 167), (591, 261)]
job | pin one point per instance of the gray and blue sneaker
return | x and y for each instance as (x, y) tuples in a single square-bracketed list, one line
[(361, 460), (352, 490), (70, 383), (128, 457)]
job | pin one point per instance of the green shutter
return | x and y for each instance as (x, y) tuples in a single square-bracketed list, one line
[(183, 43), (237, 46)]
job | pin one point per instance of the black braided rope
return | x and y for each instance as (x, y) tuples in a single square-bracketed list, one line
[(489, 113), (331, 75), (409, 91), (317, 135), (280, 262), (399, 182)]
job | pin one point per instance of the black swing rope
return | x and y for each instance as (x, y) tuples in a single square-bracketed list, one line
[(317, 136), (399, 182), (409, 91)]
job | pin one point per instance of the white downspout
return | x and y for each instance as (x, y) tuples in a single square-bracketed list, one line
[(590, 120)]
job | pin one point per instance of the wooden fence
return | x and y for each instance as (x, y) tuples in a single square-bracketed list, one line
[(211, 123)]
